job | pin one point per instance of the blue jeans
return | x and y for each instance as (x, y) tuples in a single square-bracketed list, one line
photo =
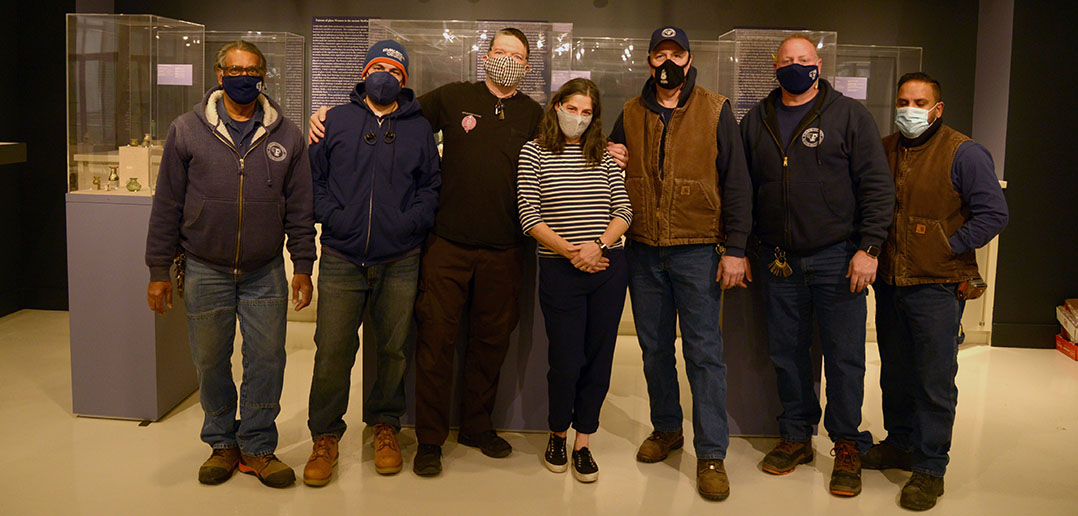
[(819, 291), (667, 284), (260, 299), (917, 332), (384, 297)]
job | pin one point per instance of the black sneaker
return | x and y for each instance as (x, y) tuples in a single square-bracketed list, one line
[(428, 460), (887, 456), (555, 459), (584, 467), (488, 442), (920, 493)]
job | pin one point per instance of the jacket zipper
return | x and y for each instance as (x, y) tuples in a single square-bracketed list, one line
[(239, 223), (786, 172)]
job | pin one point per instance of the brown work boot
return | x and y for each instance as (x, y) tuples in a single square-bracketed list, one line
[(785, 456), (711, 479), (658, 445), (219, 466), (387, 453), (846, 477), (269, 470), (319, 467), (921, 492)]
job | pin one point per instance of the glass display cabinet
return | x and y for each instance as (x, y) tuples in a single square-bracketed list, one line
[(870, 73), (754, 58), (128, 76), (285, 77)]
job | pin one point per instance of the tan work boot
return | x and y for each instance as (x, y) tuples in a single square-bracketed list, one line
[(711, 479), (269, 470), (658, 445), (387, 453), (219, 466), (319, 467)]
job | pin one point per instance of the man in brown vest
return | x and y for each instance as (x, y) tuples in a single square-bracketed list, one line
[(684, 162), (949, 203)]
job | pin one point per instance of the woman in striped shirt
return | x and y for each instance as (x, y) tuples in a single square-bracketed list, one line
[(571, 198)]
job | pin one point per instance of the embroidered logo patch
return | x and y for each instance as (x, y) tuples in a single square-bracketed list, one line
[(812, 137), (812, 74), (668, 32), (394, 53), (920, 229), (276, 151)]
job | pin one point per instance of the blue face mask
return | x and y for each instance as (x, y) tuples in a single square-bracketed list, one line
[(382, 88), (913, 121), (242, 89), (797, 78)]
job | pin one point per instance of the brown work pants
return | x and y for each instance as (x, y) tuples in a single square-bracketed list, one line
[(451, 275)]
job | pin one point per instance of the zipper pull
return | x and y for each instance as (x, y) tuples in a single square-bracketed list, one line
[(785, 161), (241, 165)]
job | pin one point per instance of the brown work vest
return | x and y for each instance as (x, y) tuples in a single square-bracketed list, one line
[(927, 212), (683, 206)]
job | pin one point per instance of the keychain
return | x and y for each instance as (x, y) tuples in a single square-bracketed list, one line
[(779, 267)]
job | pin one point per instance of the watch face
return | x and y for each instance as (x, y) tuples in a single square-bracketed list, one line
[(872, 251)]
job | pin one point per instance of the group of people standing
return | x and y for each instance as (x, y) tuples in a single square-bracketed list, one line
[(670, 206)]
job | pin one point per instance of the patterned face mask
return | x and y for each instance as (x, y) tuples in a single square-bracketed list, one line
[(504, 71)]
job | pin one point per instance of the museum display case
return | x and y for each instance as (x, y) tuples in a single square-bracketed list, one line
[(869, 73), (285, 77), (128, 76)]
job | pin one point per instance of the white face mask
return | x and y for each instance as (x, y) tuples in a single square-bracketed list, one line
[(572, 125), (913, 121)]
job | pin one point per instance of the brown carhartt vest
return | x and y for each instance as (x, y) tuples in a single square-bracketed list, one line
[(927, 212), (683, 205)]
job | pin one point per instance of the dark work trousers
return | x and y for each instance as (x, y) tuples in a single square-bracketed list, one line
[(917, 332), (582, 311), (449, 276)]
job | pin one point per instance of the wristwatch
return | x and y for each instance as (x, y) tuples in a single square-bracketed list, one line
[(872, 251), (602, 247)]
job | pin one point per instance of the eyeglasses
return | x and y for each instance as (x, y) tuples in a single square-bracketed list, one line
[(233, 71)]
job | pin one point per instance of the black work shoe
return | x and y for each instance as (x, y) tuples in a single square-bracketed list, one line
[(887, 456), (786, 456), (846, 477), (920, 493), (428, 460), (555, 459), (488, 442), (584, 467)]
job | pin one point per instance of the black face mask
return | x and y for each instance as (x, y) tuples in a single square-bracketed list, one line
[(669, 75)]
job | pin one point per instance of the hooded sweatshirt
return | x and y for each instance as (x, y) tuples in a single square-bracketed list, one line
[(376, 180), (829, 183), (226, 209)]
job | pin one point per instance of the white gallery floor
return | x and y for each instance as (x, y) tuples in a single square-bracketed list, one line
[(1015, 450)]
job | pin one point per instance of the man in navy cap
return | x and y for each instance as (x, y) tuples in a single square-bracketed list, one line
[(376, 180), (683, 155)]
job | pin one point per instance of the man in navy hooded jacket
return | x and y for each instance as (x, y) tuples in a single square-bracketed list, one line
[(824, 199), (376, 180)]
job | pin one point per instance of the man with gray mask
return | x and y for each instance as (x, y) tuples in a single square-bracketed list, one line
[(684, 162), (473, 261)]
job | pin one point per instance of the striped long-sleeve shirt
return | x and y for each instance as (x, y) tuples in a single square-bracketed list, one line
[(576, 200)]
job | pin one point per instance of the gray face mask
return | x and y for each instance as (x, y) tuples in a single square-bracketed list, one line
[(572, 125)]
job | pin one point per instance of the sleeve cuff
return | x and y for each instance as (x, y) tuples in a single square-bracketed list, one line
[(867, 241), (302, 266), (956, 245), (736, 252), (736, 240), (159, 273)]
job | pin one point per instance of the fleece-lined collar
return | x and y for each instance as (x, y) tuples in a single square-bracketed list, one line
[(270, 114)]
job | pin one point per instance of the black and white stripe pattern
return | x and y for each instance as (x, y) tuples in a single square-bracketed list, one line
[(575, 199)]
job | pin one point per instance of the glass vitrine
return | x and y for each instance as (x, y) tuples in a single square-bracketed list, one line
[(128, 76), (870, 73)]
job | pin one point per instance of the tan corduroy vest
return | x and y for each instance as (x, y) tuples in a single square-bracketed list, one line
[(927, 212), (683, 206)]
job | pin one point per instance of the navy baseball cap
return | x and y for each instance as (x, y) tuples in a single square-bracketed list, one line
[(674, 34)]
